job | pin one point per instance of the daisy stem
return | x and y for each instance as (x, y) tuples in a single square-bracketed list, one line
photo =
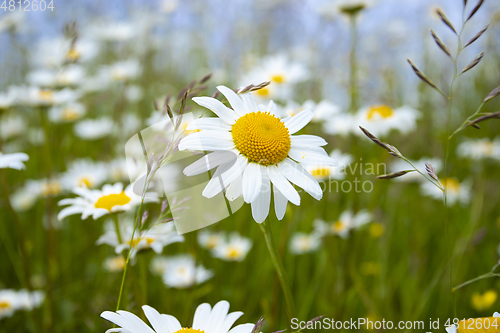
[(280, 270), (117, 228), (353, 79)]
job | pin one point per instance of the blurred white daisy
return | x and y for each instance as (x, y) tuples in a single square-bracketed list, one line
[(253, 149), (282, 73), (13, 161), (12, 126), (331, 172), (457, 192), (8, 98), (67, 113), (400, 165), (342, 227), (68, 76), (114, 264), (35, 96), (133, 93), (93, 129), (323, 110), (121, 71), (301, 242), (112, 31), (155, 238), (209, 239), (23, 200), (13, 20), (206, 320), (381, 119), (341, 124), (55, 52), (234, 248), (477, 149), (180, 271), (12, 300), (97, 203), (84, 173)]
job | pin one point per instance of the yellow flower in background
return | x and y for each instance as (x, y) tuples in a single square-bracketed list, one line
[(376, 230), (484, 301)]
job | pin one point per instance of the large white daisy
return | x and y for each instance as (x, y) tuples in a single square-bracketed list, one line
[(97, 203), (206, 320), (264, 152)]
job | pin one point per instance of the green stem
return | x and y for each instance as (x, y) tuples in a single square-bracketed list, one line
[(484, 276), (117, 228), (280, 270), (353, 79)]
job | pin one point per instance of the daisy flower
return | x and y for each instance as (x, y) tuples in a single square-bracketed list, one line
[(263, 150), (67, 113), (206, 320), (97, 203), (93, 129), (342, 227), (282, 73), (112, 31), (8, 98), (209, 240), (53, 53), (400, 165), (84, 173), (11, 301), (180, 271), (475, 322), (35, 96), (331, 172), (341, 124), (13, 20), (12, 126), (323, 110), (301, 242), (381, 119), (457, 192), (477, 149), (114, 264), (235, 248), (122, 71), (13, 161), (69, 76), (155, 238)]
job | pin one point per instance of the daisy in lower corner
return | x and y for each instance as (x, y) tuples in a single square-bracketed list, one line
[(206, 320), (97, 203), (265, 153)]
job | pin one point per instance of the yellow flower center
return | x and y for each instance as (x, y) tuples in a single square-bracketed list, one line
[(383, 111), (117, 263), (69, 114), (46, 95), (263, 92), (339, 226), (278, 78), (73, 55), (212, 242), (305, 243), (50, 188), (320, 172), (452, 185), (487, 148), (4, 305), (189, 330), (233, 253), (109, 201), (478, 325), (85, 181), (262, 138)]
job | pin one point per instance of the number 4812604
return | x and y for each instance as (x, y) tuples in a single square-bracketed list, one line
[(27, 5)]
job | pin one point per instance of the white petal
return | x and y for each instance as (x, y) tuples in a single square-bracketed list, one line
[(297, 122), (310, 157), (280, 203), (272, 108), (281, 183), (224, 175), (207, 140), (300, 177), (217, 317), (249, 102), (71, 210), (244, 328), (209, 162), (234, 190), (155, 319), (260, 206), (229, 321), (236, 102), (223, 112), (201, 316), (172, 323), (306, 141), (252, 181), (214, 124)]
